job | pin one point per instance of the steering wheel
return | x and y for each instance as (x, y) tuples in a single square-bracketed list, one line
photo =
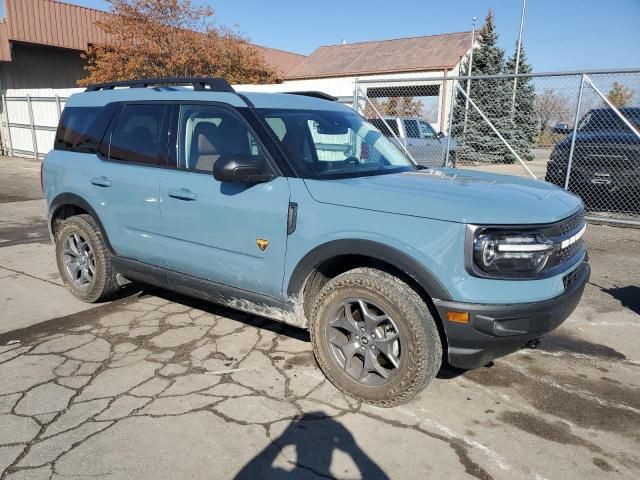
[(353, 160)]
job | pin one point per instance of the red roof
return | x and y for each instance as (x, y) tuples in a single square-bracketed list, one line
[(434, 52)]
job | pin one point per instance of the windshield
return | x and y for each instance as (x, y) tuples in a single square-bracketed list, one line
[(334, 144), (606, 119)]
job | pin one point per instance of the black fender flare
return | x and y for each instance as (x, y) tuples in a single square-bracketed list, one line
[(378, 251), (65, 199)]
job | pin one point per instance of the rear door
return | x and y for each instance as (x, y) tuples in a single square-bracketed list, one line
[(229, 233), (125, 184)]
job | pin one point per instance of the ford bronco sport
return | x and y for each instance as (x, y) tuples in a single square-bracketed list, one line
[(244, 200)]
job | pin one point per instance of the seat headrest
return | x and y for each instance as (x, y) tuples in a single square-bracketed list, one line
[(206, 138)]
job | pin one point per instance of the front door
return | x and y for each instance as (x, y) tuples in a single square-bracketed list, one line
[(230, 233)]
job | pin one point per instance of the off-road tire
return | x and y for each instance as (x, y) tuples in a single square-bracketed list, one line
[(104, 285), (420, 337)]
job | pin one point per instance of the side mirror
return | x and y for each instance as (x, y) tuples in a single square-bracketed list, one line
[(239, 168), (441, 135)]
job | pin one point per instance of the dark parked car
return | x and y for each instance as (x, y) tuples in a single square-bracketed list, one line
[(605, 170)]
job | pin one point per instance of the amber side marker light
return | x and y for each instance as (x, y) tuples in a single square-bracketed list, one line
[(458, 317)]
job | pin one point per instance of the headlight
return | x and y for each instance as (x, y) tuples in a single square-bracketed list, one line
[(525, 253), (511, 254)]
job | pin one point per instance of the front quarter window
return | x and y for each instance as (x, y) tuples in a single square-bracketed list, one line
[(334, 143)]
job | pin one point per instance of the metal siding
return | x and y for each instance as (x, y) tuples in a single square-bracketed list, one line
[(5, 47), (53, 23), (57, 24), (37, 67)]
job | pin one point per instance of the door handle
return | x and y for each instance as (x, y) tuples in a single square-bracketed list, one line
[(182, 194), (101, 181)]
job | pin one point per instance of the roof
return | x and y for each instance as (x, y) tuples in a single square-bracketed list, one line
[(57, 24), (434, 52), (260, 100)]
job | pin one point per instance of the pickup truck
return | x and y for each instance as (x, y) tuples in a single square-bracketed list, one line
[(416, 137)]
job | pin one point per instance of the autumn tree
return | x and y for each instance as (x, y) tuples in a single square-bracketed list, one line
[(171, 38), (619, 95), (402, 107), (550, 106), (394, 107)]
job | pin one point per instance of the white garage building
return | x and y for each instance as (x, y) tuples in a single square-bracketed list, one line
[(334, 69)]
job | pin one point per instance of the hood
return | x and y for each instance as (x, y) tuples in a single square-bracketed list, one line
[(602, 136), (453, 195)]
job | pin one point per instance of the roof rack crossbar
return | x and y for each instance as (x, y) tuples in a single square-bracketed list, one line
[(315, 94), (214, 84)]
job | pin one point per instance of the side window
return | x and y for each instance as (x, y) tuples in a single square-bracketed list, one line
[(207, 133), (382, 126), (411, 127), (74, 124), (136, 136), (427, 131), (277, 125)]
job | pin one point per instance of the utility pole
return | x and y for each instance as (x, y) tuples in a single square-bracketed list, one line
[(466, 103), (515, 80)]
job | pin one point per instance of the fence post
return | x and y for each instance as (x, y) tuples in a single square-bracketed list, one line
[(450, 128), (32, 125), (8, 123), (356, 99), (575, 132), (58, 106)]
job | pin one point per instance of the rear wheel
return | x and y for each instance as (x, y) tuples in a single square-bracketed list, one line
[(374, 337), (84, 261)]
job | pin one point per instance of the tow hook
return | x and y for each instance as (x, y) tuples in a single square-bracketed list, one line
[(533, 344)]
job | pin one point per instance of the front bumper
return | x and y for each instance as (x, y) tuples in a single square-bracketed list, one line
[(497, 330)]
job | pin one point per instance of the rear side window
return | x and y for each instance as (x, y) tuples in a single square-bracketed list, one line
[(136, 135), (78, 129)]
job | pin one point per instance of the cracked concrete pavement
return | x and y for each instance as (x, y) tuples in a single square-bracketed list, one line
[(156, 385)]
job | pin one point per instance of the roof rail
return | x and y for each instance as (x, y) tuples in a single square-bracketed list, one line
[(314, 94), (214, 84)]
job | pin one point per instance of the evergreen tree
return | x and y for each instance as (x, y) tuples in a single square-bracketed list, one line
[(476, 140), (524, 113)]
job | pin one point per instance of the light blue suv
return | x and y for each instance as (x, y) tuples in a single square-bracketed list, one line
[(294, 207)]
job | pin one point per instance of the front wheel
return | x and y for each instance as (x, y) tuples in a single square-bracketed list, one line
[(374, 337)]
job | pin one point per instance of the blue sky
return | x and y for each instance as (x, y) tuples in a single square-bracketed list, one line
[(559, 34)]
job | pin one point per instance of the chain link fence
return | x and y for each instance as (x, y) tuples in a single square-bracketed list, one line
[(579, 131)]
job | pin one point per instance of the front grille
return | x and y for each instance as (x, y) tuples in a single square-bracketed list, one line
[(567, 253), (559, 232), (571, 224)]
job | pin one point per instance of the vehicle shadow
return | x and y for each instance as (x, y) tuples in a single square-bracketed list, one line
[(314, 437), (628, 296)]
